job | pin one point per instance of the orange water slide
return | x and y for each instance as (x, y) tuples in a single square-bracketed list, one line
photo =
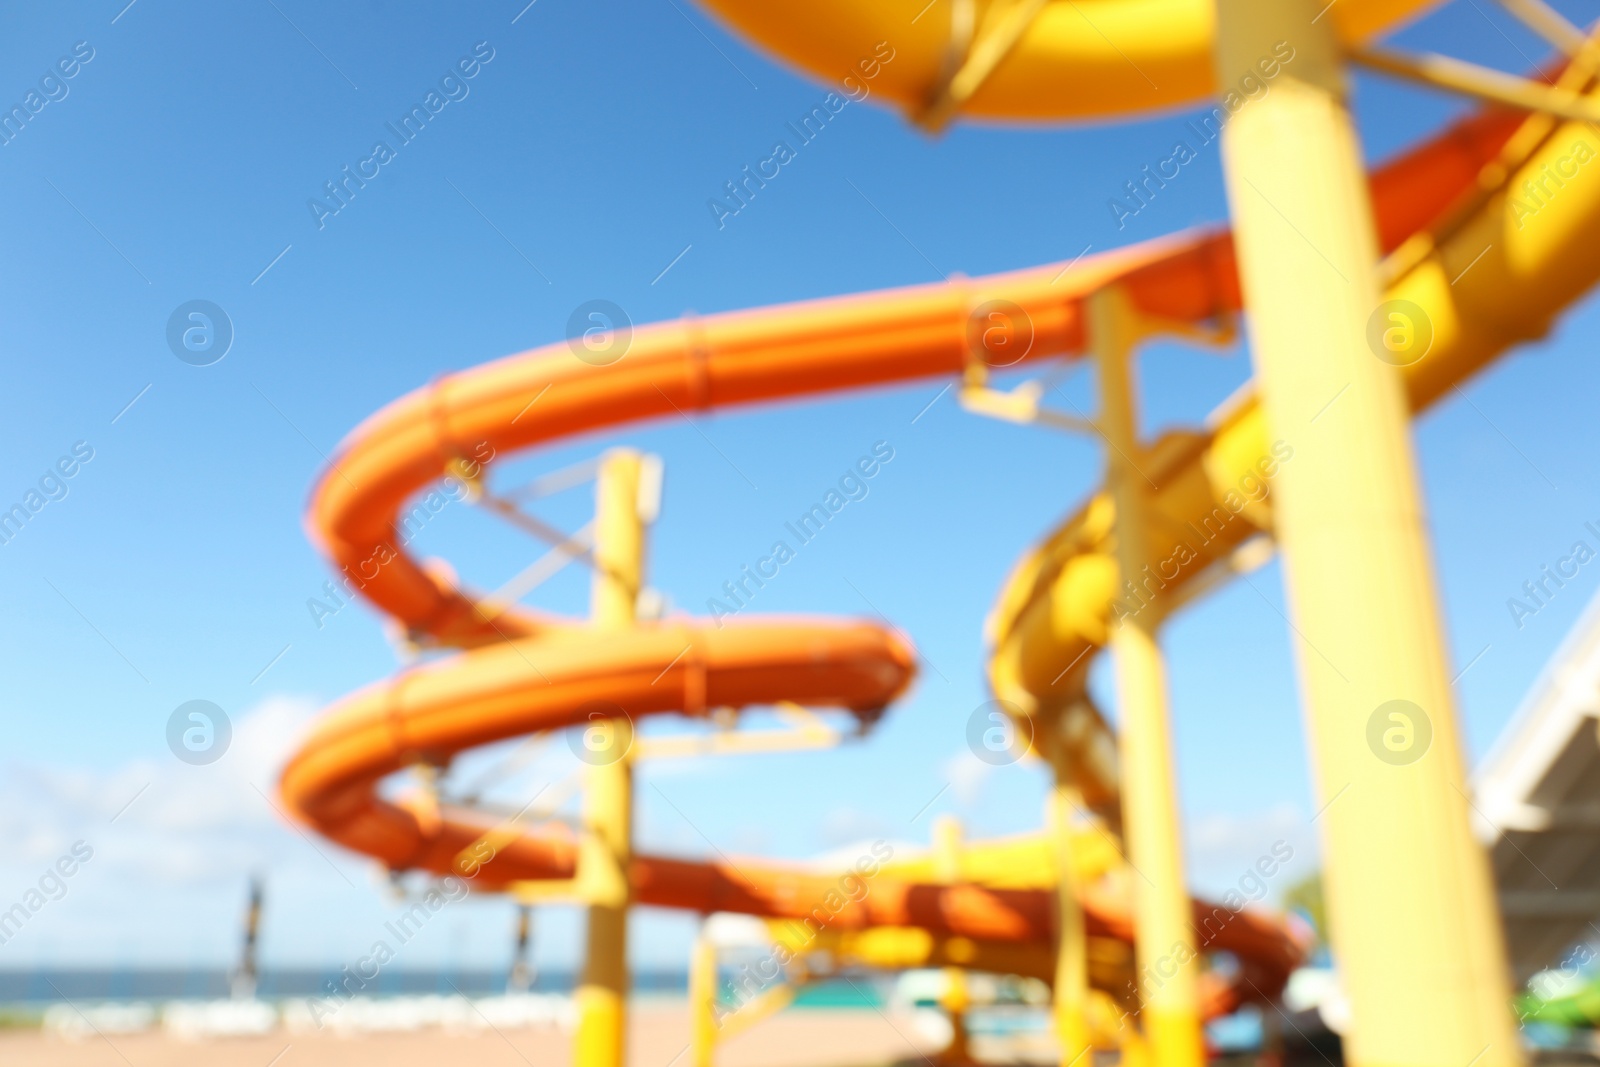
[(788, 351), (524, 672), (431, 713)]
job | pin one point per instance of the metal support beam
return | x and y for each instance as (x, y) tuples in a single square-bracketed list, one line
[(1164, 943), (1548, 23), (1410, 901), (1469, 79), (1072, 946), (703, 1001), (1550, 904), (608, 800), (999, 34)]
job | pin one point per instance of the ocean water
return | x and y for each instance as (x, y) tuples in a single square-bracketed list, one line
[(43, 986), (46, 985)]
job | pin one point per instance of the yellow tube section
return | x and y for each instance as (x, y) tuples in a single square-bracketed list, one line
[(1027, 861), (1493, 275), (1084, 59)]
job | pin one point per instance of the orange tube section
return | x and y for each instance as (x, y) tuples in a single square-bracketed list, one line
[(789, 351)]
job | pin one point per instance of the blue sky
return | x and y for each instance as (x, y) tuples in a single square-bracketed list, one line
[(179, 166)]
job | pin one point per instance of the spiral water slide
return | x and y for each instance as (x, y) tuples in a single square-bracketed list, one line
[(520, 672)]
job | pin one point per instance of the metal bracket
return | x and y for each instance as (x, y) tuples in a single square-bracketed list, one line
[(1548, 23), (564, 548), (1020, 405), (805, 732), (1003, 26), (1469, 79)]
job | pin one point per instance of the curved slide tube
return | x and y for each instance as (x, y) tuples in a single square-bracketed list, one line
[(1074, 60), (805, 349), (524, 672)]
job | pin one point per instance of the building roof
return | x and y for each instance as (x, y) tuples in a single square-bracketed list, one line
[(1537, 806)]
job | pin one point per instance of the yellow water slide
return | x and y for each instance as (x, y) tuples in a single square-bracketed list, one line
[(1020, 60)]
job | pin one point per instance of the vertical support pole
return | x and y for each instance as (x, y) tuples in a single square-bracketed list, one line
[(1164, 943), (1072, 950), (955, 999), (520, 980), (703, 1001), (608, 797), (1410, 901), (1135, 1049), (244, 979)]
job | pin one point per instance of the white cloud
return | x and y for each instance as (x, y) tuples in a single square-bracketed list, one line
[(849, 825), (1224, 849), (967, 775), (167, 881), (173, 844)]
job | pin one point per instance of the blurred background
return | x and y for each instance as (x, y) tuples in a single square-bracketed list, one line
[(183, 161)]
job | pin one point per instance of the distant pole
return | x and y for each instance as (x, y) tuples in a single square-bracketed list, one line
[(244, 976), (522, 972)]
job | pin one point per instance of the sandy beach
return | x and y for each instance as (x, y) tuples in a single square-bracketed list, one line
[(659, 1038)]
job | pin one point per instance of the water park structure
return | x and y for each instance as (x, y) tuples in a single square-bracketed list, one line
[(1367, 297)]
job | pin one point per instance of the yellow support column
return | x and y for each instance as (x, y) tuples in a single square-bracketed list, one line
[(1164, 944), (1072, 956), (608, 796), (703, 1001), (955, 999), (1410, 902)]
